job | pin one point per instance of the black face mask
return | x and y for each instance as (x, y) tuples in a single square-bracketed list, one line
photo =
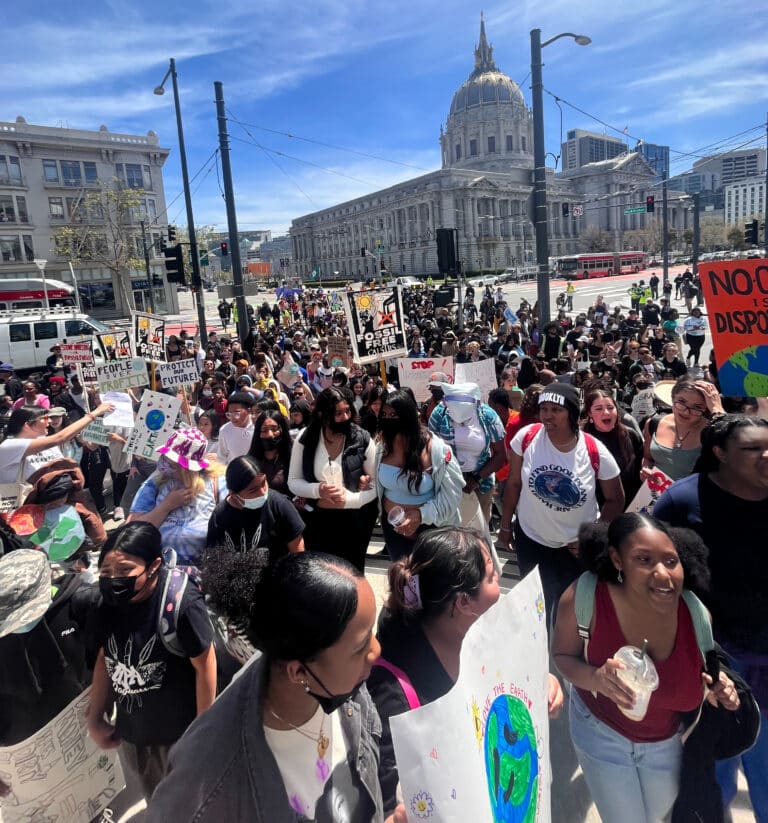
[(119, 591), (389, 427), (344, 428), (271, 443), (330, 702), (437, 394)]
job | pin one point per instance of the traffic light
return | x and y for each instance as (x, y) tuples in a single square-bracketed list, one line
[(174, 264), (224, 249), (566, 209), (751, 235), (650, 204), (171, 234)]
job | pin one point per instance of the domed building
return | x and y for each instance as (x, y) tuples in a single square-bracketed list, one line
[(483, 191)]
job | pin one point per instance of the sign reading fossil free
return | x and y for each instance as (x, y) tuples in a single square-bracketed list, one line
[(736, 296), (149, 336), (375, 322)]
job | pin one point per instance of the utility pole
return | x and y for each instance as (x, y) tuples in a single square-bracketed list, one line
[(696, 234), (229, 199), (664, 226), (146, 266)]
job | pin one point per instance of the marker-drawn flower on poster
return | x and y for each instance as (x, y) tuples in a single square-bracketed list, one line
[(540, 607), (422, 805)]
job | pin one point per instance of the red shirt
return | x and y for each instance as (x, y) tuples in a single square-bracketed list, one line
[(680, 687), (510, 431)]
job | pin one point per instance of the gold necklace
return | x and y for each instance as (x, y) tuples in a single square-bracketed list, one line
[(680, 440), (321, 740)]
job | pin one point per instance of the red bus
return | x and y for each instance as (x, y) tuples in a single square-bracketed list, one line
[(29, 293), (601, 264)]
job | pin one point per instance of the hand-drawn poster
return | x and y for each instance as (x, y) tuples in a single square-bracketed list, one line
[(149, 336), (74, 353), (335, 304), (59, 775), (115, 345), (178, 373), (338, 352), (482, 372), (415, 372), (650, 492), (375, 322), (122, 374), (481, 752), (154, 424), (736, 296)]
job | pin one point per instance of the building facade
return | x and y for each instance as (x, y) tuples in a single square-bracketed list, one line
[(484, 190), (46, 175), (745, 200), (657, 158), (582, 147)]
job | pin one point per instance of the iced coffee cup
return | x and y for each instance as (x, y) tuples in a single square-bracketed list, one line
[(640, 675)]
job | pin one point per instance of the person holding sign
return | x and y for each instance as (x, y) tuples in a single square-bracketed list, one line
[(27, 443)]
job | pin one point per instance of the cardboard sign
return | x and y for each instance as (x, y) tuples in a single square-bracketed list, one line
[(178, 373), (376, 324), (481, 752), (415, 372), (736, 295), (650, 492), (60, 775), (335, 304), (338, 352), (122, 374), (483, 372), (149, 336), (115, 345), (95, 432), (74, 353), (154, 424)]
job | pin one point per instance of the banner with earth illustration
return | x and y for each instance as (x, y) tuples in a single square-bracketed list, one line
[(481, 752), (736, 296)]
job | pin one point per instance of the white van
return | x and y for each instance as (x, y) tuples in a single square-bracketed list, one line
[(26, 336)]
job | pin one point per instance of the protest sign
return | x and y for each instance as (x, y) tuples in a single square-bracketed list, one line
[(115, 345), (375, 323), (483, 372), (481, 752), (149, 336), (736, 296), (74, 353), (650, 492), (154, 424), (415, 372), (511, 317), (178, 373), (338, 352), (122, 374), (335, 304), (60, 775), (122, 416), (95, 432)]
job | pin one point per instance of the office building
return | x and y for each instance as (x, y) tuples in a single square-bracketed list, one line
[(582, 147), (745, 200)]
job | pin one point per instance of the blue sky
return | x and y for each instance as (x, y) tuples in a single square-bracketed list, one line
[(375, 77)]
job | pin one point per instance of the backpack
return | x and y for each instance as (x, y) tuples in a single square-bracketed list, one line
[(174, 586), (589, 441), (404, 681)]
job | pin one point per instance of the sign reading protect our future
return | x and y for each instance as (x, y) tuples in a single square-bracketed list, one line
[(736, 296)]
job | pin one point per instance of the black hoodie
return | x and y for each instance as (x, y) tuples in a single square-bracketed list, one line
[(42, 671)]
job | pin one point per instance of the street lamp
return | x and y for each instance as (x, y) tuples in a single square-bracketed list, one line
[(539, 170), (196, 279), (41, 264)]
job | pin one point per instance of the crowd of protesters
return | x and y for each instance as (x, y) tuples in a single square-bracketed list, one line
[(287, 457)]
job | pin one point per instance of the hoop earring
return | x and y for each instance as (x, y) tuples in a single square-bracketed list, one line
[(620, 577)]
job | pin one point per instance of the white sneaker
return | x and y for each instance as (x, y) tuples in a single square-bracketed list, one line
[(118, 514)]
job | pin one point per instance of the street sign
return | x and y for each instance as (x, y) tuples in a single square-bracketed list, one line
[(635, 210), (577, 211)]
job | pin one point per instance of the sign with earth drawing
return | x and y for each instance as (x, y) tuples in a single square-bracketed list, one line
[(154, 424), (481, 752), (736, 296)]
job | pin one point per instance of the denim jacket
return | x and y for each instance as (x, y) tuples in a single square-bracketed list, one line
[(222, 769)]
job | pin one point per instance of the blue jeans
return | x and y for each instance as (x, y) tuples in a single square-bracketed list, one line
[(755, 765), (629, 782)]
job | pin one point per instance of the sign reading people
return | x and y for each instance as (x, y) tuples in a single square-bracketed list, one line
[(415, 372), (375, 322), (481, 752), (59, 775), (736, 295), (154, 424), (122, 374), (149, 336)]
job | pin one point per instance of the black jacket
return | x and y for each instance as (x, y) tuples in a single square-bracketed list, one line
[(42, 671)]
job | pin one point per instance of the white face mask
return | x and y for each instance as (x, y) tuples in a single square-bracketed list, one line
[(254, 502)]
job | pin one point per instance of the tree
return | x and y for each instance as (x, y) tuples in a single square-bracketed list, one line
[(736, 237), (103, 230), (711, 234), (595, 239), (688, 237)]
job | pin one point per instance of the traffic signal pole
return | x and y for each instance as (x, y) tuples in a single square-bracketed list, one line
[(146, 265), (664, 227), (229, 200)]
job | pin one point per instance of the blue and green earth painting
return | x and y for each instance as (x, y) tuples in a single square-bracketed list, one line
[(745, 373)]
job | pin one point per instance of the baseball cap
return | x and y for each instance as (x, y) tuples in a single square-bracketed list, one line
[(437, 378)]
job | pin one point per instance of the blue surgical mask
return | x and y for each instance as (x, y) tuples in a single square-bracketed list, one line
[(254, 502)]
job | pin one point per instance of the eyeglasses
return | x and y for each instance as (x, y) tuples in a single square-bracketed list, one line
[(694, 410)]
